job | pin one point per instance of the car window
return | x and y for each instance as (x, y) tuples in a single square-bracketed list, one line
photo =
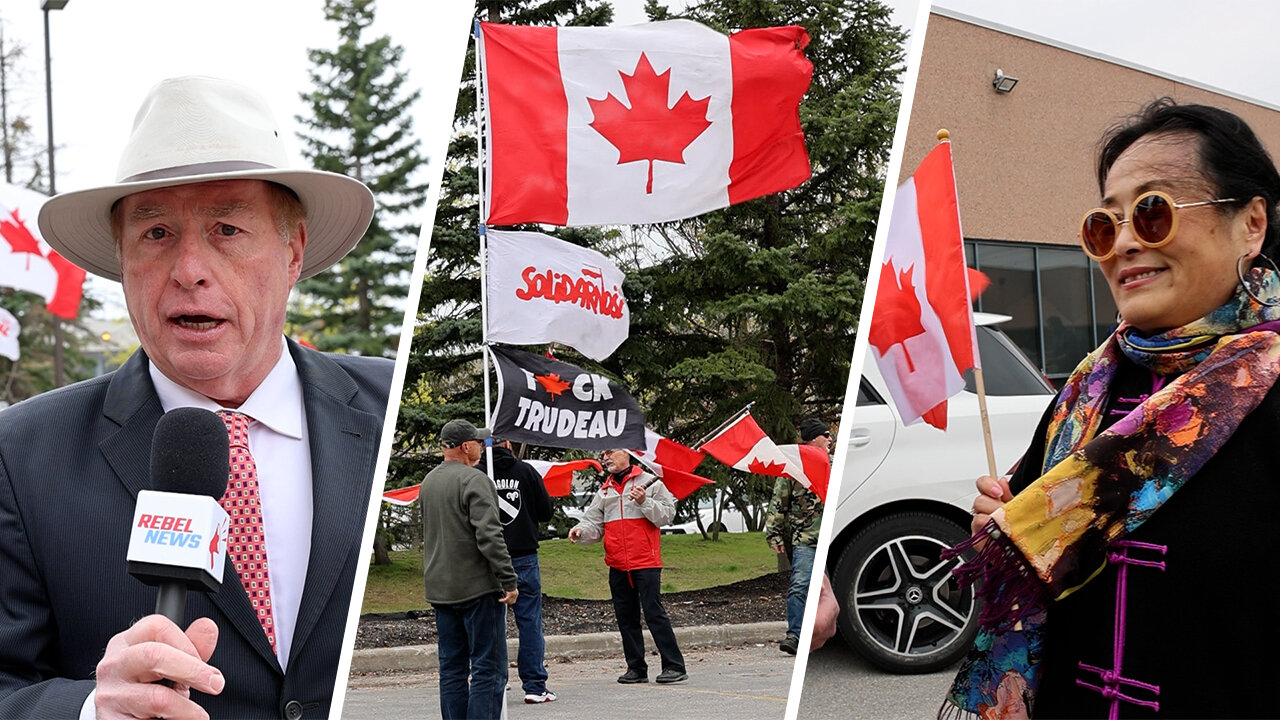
[(867, 394), (1005, 370)]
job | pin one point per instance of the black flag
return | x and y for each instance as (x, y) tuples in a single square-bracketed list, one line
[(547, 402)]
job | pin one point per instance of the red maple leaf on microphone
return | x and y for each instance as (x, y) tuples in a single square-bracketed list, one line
[(649, 130), (552, 384), (765, 468), (15, 232), (896, 317)]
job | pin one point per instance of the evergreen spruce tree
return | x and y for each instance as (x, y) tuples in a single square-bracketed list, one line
[(361, 125)]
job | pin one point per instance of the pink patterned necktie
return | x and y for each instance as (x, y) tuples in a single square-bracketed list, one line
[(246, 542)]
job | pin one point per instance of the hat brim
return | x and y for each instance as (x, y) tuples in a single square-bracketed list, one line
[(338, 210)]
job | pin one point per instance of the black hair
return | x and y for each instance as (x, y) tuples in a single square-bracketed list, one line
[(1232, 158)]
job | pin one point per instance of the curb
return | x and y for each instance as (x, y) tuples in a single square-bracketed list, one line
[(422, 658)]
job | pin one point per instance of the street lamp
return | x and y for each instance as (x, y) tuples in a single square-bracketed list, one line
[(46, 6)]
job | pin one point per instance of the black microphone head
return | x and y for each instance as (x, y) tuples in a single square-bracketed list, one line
[(189, 453)]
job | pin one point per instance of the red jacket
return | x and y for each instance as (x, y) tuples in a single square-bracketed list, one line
[(630, 531)]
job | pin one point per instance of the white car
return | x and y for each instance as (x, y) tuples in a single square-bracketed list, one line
[(731, 519), (907, 493)]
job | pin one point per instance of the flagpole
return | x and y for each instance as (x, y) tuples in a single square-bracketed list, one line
[(724, 425), (980, 386), (480, 225)]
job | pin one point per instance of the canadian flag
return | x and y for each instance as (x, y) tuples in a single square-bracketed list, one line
[(27, 262), (541, 289), (743, 445), (672, 462), (558, 476), (922, 324), (638, 124), (9, 329)]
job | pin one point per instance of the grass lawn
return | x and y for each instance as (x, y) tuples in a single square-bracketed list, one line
[(577, 571)]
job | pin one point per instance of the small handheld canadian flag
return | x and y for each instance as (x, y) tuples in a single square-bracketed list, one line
[(922, 324)]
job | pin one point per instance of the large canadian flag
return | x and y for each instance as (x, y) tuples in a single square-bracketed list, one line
[(672, 462), (922, 324), (26, 260), (638, 124), (743, 445), (542, 289)]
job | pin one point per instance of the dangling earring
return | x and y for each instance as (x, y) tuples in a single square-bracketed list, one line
[(1271, 302)]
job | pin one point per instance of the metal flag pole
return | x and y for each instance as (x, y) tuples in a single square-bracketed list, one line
[(945, 137), (480, 225), (734, 418)]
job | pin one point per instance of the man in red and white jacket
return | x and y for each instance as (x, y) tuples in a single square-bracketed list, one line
[(627, 512)]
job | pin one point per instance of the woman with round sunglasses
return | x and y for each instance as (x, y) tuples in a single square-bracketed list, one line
[(1127, 566)]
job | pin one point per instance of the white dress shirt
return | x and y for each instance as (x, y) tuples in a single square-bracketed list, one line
[(278, 442)]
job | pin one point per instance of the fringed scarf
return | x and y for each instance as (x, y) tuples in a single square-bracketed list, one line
[(1096, 488)]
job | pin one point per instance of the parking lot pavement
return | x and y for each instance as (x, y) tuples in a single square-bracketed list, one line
[(746, 681), (838, 683)]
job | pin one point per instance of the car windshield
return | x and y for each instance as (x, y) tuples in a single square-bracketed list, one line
[(1005, 371)]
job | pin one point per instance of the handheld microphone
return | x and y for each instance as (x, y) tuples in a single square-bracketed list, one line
[(179, 535)]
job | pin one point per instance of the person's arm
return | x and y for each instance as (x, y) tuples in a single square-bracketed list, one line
[(824, 620), (481, 500), (775, 515), (591, 527), (659, 505)]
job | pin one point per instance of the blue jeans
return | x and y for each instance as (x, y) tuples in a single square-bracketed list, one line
[(528, 612), (472, 641), (801, 571)]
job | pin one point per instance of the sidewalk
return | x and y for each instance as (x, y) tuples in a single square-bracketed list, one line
[(422, 658)]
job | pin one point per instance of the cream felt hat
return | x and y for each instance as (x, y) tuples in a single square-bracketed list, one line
[(199, 129)]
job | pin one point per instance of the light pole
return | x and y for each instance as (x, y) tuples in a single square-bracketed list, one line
[(46, 6)]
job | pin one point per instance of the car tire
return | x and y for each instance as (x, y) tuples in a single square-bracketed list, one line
[(900, 607)]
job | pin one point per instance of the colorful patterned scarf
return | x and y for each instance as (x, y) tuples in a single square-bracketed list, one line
[(1096, 488)]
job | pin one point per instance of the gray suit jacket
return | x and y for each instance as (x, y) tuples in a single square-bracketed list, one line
[(71, 464)]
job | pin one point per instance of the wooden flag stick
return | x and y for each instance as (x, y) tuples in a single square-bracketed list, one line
[(986, 422), (724, 425)]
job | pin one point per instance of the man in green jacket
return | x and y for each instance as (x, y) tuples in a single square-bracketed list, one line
[(468, 576)]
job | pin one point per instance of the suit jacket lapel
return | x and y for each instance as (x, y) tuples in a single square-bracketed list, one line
[(131, 403), (344, 446)]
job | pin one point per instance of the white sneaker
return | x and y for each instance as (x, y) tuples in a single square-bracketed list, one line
[(542, 697)]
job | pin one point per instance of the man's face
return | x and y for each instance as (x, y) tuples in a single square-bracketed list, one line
[(206, 275), (822, 441), (615, 460), (474, 450)]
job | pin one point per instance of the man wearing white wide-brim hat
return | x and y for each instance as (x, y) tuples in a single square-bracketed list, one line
[(207, 230)]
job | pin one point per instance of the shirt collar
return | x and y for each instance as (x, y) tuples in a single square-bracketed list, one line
[(276, 402)]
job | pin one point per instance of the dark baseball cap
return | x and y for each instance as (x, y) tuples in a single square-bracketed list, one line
[(456, 432)]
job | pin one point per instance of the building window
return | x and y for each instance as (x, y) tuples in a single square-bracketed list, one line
[(1057, 297)]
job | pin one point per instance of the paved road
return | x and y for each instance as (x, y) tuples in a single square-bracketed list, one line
[(838, 683), (741, 682)]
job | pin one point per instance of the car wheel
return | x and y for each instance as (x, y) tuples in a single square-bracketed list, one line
[(900, 607), (718, 527)]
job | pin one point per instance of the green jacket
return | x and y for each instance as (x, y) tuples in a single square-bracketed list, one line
[(794, 516), (463, 553)]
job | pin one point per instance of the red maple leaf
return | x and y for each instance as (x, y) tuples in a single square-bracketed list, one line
[(552, 384), (762, 468), (649, 130), (15, 232), (896, 316)]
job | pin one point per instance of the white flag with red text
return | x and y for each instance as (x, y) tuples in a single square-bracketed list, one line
[(9, 330), (26, 260), (638, 124), (542, 290), (922, 324)]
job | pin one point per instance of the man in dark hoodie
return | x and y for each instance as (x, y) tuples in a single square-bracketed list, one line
[(523, 503)]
